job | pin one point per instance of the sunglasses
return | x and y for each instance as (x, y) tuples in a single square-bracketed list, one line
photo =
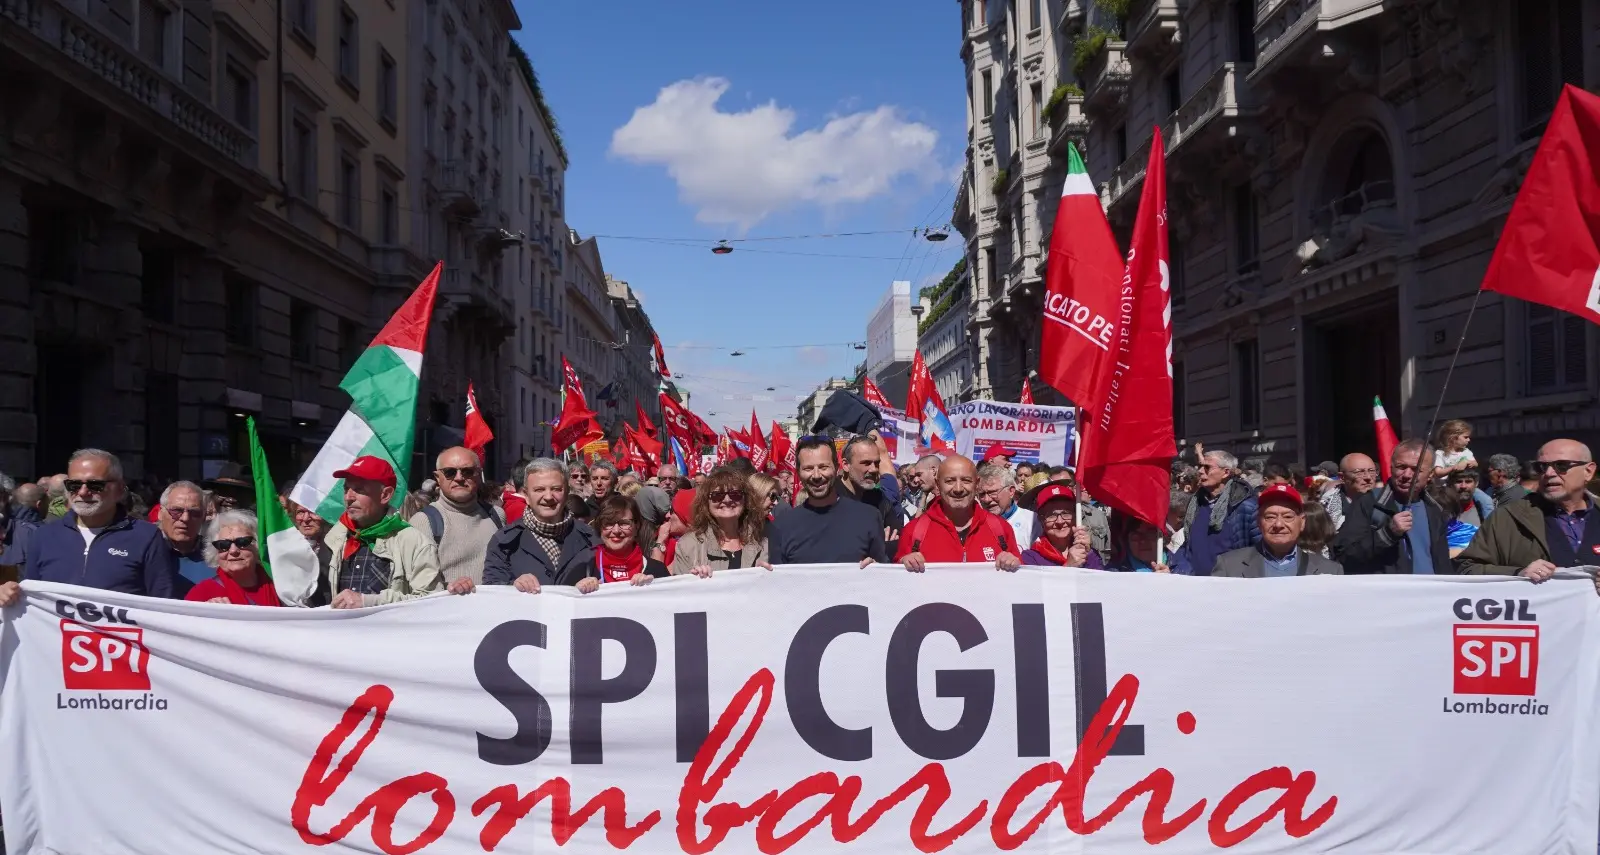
[(184, 513), (242, 542), (72, 485), (727, 495), (1562, 467), (468, 472)]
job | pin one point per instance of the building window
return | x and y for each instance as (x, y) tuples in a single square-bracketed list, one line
[(1550, 53), (1173, 85), (240, 311), (1558, 350), (1036, 111), (303, 157), (1119, 142), (351, 343), (303, 20), (54, 241), (1034, 18), (522, 396), (349, 48), (988, 94), (388, 89), (1180, 402), (303, 333), (158, 283), (1244, 30), (980, 13), (1246, 230), (349, 190), (1247, 383), (389, 211), (154, 20), (1175, 264), (239, 94)]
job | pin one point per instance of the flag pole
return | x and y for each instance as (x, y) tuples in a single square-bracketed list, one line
[(1443, 387)]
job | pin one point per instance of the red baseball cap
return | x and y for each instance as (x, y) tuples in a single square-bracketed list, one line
[(997, 451), (1053, 490), (1281, 494), (369, 468), (683, 505)]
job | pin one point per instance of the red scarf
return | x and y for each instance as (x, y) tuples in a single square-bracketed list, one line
[(1050, 553), (263, 594), (619, 566)]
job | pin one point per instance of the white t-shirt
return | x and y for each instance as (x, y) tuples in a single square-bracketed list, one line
[(89, 535), (1448, 459)]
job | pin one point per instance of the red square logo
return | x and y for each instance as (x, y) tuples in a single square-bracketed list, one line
[(1496, 659), (104, 658)]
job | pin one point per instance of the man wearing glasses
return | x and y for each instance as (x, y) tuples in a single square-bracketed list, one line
[(97, 545), (1397, 528), (460, 523), (1539, 533), (182, 518)]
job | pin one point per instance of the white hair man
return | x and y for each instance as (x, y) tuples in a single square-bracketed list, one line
[(182, 519), (997, 492)]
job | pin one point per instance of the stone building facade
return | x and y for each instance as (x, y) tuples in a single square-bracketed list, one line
[(1338, 172), (634, 375)]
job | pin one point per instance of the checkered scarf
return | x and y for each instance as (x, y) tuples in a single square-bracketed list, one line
[(549, 535)]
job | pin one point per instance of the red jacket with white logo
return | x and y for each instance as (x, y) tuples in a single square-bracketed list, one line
[(933, 535)]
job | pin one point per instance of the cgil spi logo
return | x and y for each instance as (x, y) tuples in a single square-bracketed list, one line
[(104, 663), (1495, 659)]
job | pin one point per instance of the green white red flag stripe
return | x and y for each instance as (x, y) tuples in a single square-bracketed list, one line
[(287, 556)]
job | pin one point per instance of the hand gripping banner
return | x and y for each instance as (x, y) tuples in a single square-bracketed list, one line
[(814, 710)]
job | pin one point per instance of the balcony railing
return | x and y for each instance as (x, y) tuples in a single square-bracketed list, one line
[(1279, 26), (1107, 76), (1156, 30), (1129, 174), (60, 24), (1067, 123), (460, 188), (1222, 97)]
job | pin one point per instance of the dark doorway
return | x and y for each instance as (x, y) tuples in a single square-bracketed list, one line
[(59, 392), (1351, 357)]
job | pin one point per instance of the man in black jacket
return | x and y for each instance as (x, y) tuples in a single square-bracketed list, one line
[(864, 480), (1397, 528), (548, 546)]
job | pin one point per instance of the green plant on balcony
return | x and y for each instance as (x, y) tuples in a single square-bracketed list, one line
[(528, 74), (1118, 9), (1087, 47), (1060, 95), (1001, 178), (943, 295)]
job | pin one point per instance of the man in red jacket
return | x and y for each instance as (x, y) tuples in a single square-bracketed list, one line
[(956, 528)]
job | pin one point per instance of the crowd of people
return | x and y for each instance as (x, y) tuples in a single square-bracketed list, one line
[(586, 525)]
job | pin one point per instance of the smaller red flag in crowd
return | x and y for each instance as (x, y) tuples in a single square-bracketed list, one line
[(478, 433), (924, 403), (694, 430), (577, 421), (619, 452), (649, 447), (874, 395), (638, 460), (661, 358), (645, 425), (1128, 441), (1386, 438), (759, 452), (1547, 252), (1027, 392), (782, 449)]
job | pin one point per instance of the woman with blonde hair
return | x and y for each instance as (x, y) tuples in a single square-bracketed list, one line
[(727, 529), (766, 495)]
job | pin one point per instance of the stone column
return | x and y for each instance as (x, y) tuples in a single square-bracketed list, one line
[(202, 314), (114, 409), (18, 358)]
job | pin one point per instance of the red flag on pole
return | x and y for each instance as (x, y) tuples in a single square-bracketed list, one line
[(478, 433), (645, 425), (695, 431), (1128, 442), (1027, 392), (782, 450), (924, 404), (1083, 281), (577, 421), (649, 446), (1386, 438), (1547, 252), (619, 452), (661, 357), (874, 395)]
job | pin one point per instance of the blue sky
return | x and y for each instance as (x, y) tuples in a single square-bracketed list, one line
[(729, 119)]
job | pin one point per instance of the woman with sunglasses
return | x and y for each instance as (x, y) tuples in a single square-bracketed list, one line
[(618, 557), (766, 496), (727, 530), (1062, 542), (230, 546)]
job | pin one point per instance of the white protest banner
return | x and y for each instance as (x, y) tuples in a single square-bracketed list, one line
[(1037, 434), (900, 435), (815, 710)]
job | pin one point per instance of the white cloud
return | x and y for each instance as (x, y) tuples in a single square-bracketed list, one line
[(739, 167)]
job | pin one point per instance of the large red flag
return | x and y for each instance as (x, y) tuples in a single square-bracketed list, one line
[(1127, 441), (577, 421), (874, 395), (1027, 392), (645, 425), (1083, 280), (478, 433), (924, 404), (690, 428), (661, 357), (1547, 252)]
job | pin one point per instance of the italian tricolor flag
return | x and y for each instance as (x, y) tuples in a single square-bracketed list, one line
[(286, 556), (381, 420), (1385, 434)]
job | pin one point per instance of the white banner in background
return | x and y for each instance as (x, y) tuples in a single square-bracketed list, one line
[(1037, 434), (815, 710)]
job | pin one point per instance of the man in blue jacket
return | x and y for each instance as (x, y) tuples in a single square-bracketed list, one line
[(97, 545), (1222, 514)]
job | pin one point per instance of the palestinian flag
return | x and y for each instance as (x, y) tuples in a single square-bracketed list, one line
[(381, 420), (1386, 438), (286, 555)]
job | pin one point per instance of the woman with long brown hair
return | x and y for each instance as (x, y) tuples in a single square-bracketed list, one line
[(727, 531), (618, 556)]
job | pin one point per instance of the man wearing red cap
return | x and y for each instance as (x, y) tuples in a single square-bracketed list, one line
[(1280, 512), (955, 528), (376, 556), (999, 455)]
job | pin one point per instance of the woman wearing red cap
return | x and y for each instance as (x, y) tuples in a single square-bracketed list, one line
[(1063, 543)]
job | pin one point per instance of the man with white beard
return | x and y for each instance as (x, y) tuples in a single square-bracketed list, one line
[(97, 545)]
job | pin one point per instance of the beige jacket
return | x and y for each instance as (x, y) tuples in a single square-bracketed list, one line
[(414, 558), (700, 549)]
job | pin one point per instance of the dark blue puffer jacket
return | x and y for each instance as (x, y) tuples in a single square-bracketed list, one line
[(129, 556)]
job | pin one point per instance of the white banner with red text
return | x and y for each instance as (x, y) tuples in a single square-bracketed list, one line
[(815, 710)]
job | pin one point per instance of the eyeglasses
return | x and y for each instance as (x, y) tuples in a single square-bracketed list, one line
[(727, 496), (1055, 516), (623, 525), (73, 485), (1561, 466), (467, 472), (1354, 472), (184, 513), (242, 542)]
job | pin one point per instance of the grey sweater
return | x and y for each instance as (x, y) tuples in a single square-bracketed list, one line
[(466, 538)]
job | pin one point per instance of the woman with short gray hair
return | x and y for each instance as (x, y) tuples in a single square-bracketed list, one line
[(230, 546)]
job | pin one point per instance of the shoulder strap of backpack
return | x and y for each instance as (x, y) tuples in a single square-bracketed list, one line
[(914, 530), (1001, 529), (435, 523), (490, 512)]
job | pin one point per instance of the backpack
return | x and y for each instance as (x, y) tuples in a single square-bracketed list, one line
[(918, 527), (436, 519)]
